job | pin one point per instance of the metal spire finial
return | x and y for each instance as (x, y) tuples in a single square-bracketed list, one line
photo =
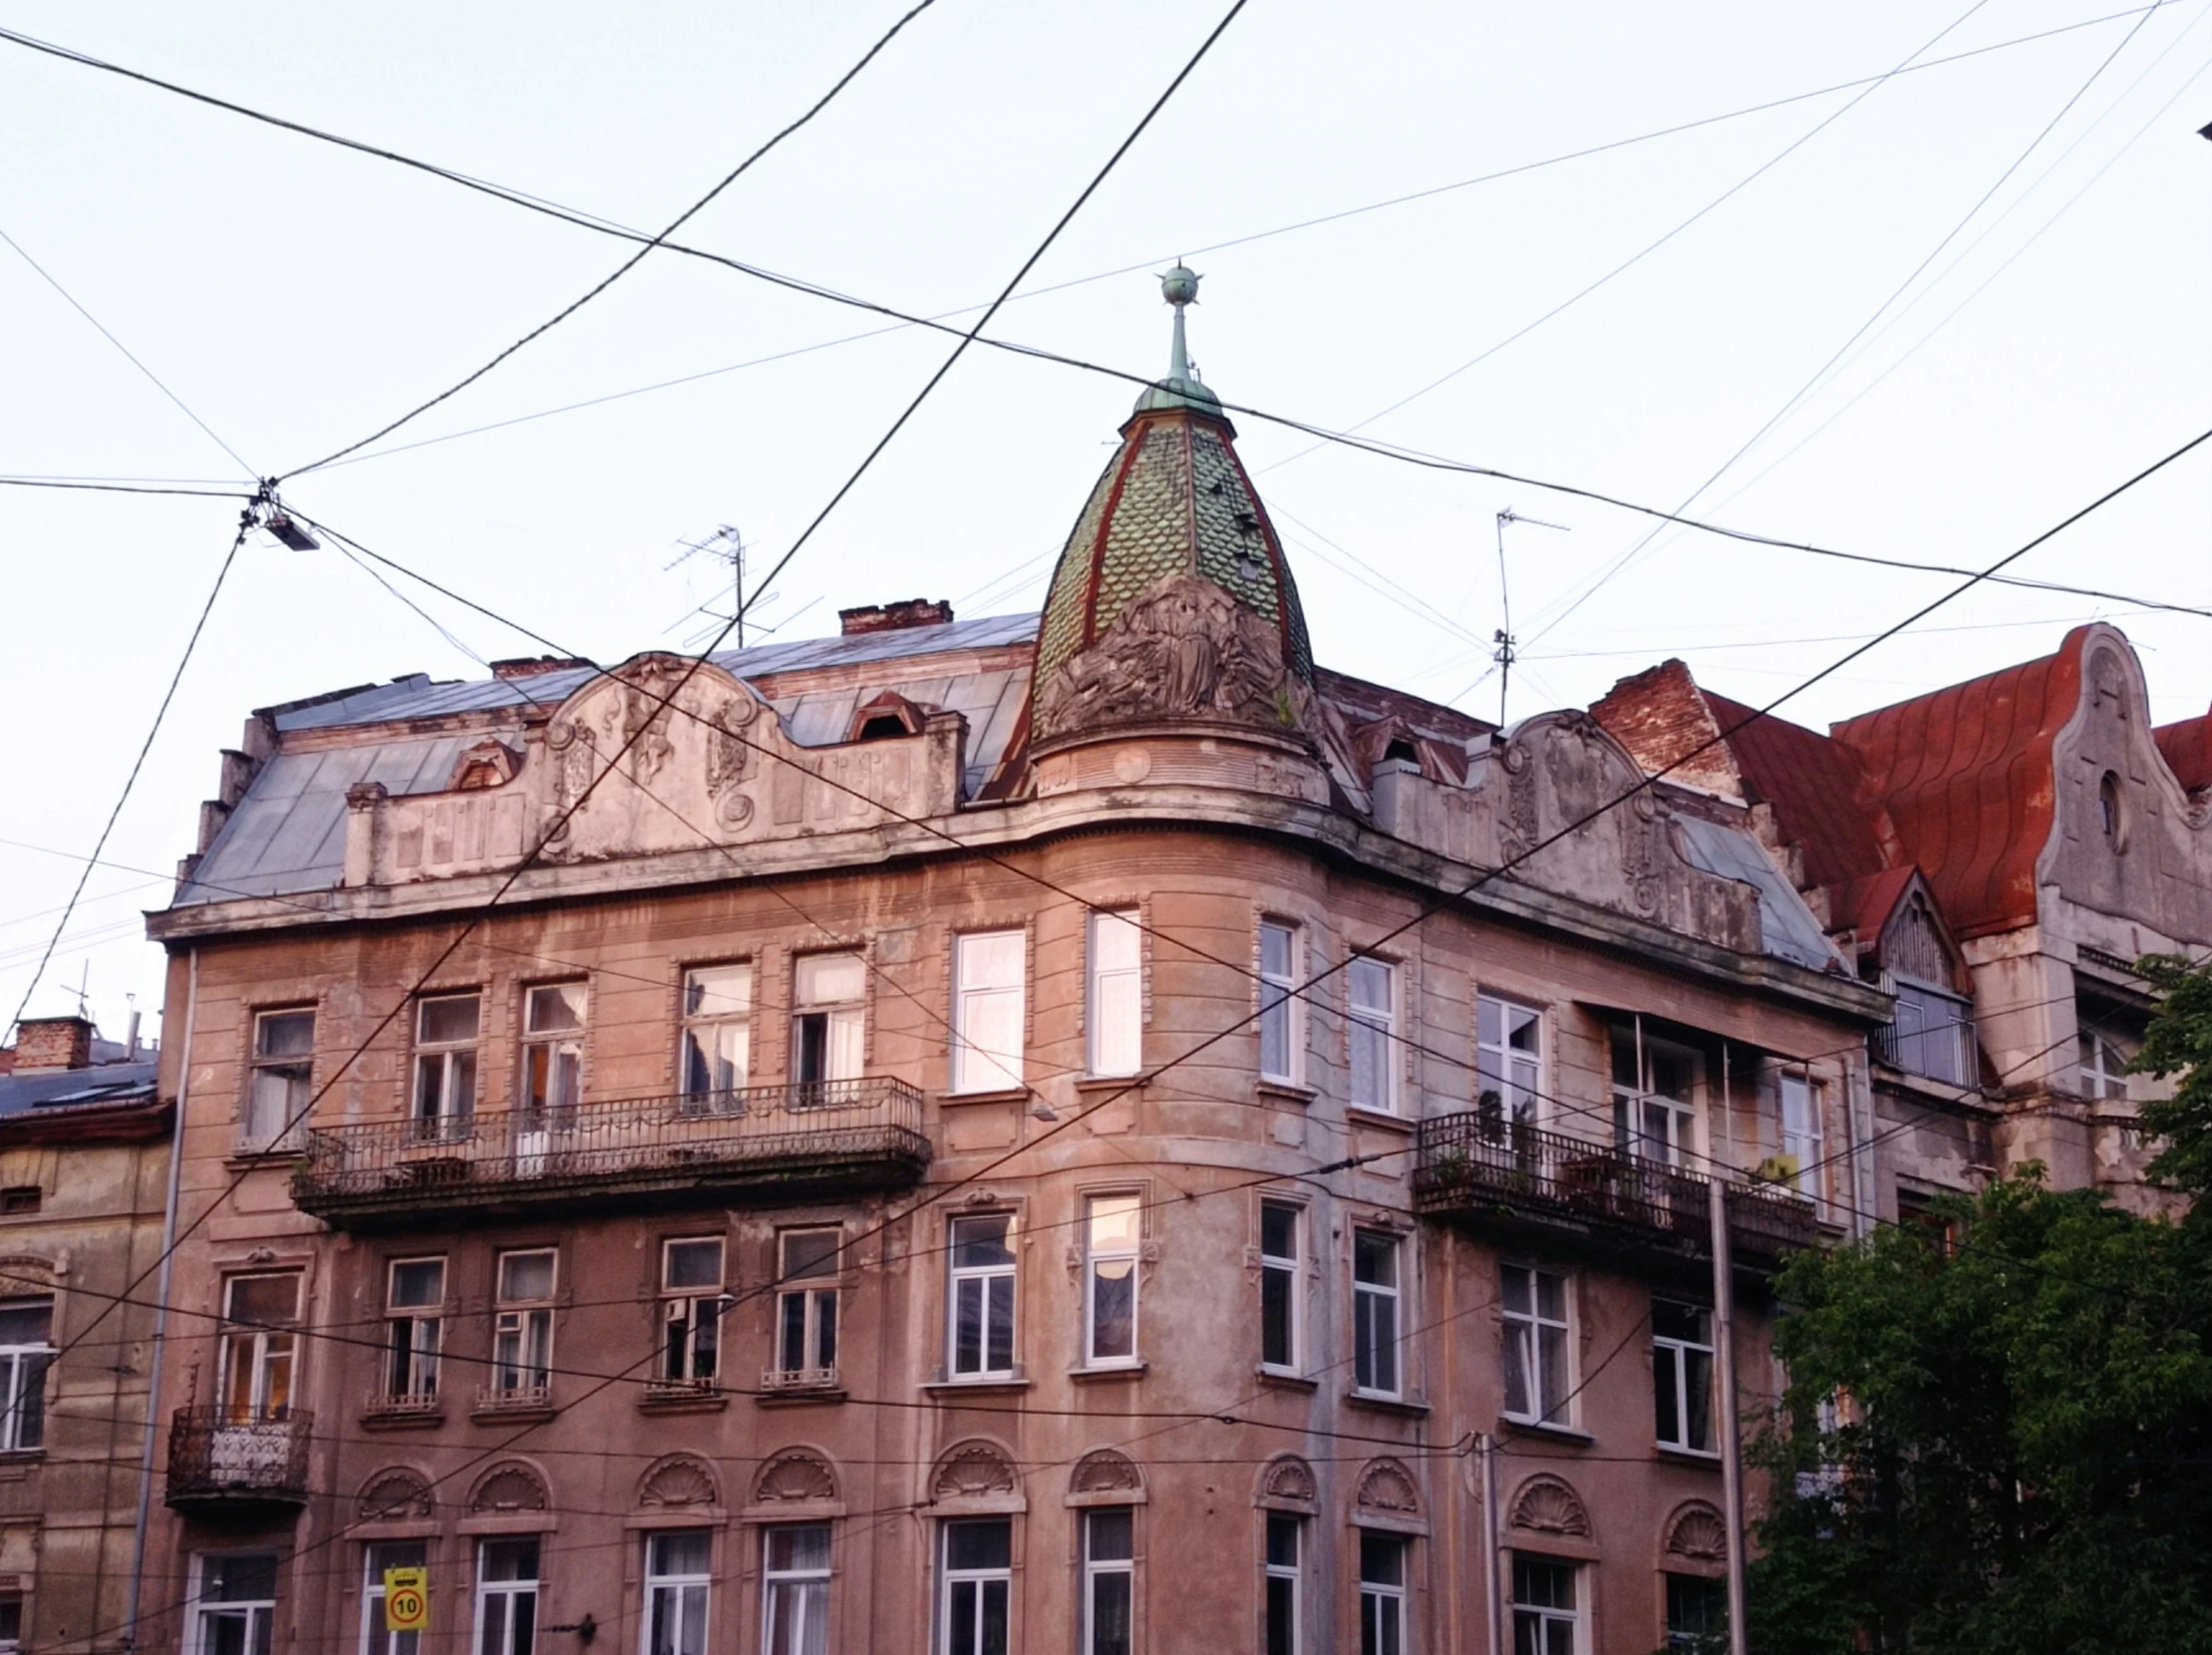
[(1179, 287)]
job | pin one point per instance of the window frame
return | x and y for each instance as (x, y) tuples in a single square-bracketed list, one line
[(819, 1311), (1384, 1625), (691, 1317), (417, 1357), (257, 1611), (525, 1314), (270, 1350), (2095, 1079), (551, 1073), (1802, 1146), (696, 1058), (1288, 1006), (1096, 1571), (657, 1585), (293, 1071), (1544, 1615), (1130, 1253), (1367, 1298), (973, 1067), (803, 1584), (1293, 1574), (1126, 1056), (485, 1589), (1680, 1142), (1679, 1353), (1363, 1020), (458, 1065), (957, 1276), (22, 1371), (1683, 1640), (1287, 1270), (375, 1640), (1495, 1060), (841, 1043), (950, 1581), (1524, 1331)]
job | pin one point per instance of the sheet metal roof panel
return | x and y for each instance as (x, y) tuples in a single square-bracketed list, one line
[(1814, 785), (1786, 926), (116, 1080)]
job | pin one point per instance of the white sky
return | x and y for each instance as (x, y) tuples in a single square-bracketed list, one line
[(296, 298)]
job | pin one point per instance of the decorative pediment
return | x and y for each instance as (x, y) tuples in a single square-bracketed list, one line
[(1288, 1478), (398, 1493), (1388, 1486), (1547, 1505), (652, 755), (508, 1488), (1106, 1471), (1184, 652), (973, 1471), (795, 1476), (1697, 1532), (678, 1479)]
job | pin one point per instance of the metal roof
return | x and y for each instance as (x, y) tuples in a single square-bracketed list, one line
[(109, 1083), (1787, 927)]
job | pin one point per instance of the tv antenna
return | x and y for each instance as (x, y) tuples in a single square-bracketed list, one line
[(1504, 654), (725, 545)]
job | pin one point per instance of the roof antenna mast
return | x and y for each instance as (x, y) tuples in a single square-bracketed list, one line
[(725, 545), (1504, 654)]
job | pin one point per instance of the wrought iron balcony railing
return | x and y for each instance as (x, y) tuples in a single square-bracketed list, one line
[(783, 1142), (222, 1459), (1472, 1165)]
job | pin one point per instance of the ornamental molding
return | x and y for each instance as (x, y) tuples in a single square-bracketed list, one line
[(1547, 1505), (1388, 1486), (508, 1488), (395, 1493), (678, 1479), (795, 1476), (973, 1471), (1697, 1532), (1106, 1472)]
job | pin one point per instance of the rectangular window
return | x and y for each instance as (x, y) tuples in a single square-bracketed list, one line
[(1284, 1584), (1282, 1013), (1547, 1620), (1654, 1092), (807, 1307), (982, 1297), (717, 1035), (2103, 1069), (676, 1579), (554, 1052), (1697, 1614), (283, 1072), (1279, 1295), (1375, 1312), (1374, 1005), (26, 1352), (829, 1000), (446, 1030), (507, 1597), (1932, 1035), (1382, 1594), (413, 1322), (1802, 1134), (234, 1609), (522, 1326), (691, 1312), (978, 1577), (1509, 1061), (1117, 1010), (260, 1342), (11, 1624), (1113, 1227), (987, 1010), (794, 1597), (1537, 1344), (1682, 1375), (1108, 1580), (395, 1554)]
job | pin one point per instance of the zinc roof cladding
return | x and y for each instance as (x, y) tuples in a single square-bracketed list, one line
[(2187, 748), (1174, 500), (1813, 785), (1966, 776), (1788, 929), (108, 1083)]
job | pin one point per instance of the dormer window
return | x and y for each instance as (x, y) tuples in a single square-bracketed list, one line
[(882, 728)]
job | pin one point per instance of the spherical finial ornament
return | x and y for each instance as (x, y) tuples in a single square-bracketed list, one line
[(1179, 287)]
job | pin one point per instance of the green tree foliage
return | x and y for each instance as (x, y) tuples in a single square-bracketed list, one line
[(1997, 1438), (2180, 1043)]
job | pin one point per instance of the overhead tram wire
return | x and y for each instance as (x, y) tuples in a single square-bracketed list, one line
[(638, 257), (1188, 68), (1860, 332)]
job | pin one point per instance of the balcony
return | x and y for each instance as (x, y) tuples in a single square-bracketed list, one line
[(1477, 1168), (223, 1464), (766, 1143)]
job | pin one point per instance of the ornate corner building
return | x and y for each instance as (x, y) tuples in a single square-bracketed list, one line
[(972, 1136)]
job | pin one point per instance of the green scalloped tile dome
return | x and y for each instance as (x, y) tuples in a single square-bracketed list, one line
[(1174, 500)]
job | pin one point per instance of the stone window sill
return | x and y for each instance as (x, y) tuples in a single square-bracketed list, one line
[(1550, 1430), (1401, 1407), (1275, 1379), (1119, 1370), (682, 1399), (1004, 1095), (947, 1389), (1088, 1085), (1289, 1091), (1359, 1116), (1688, 1455)]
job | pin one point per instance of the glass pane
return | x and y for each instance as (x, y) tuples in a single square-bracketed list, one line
[(1375, 1258), (1517, 1353), (982, 1242), (1275, 950), (1110, 1613), (1542, 1584), (994, 1639), (1551, 1296), (1687, 1323), (967, 1329), (1274, 1031), (847, 1050), (1282, 1615), (718, 991), (684, 1552), (693, 1263), (1666, 1395), (1697, 1400), (717, 1057), (525, 1277), (444, 1021), (829, 979), (791, 1347), (961, 1622), (556, 1009), (1107, 1535), (801, 1548), (990, 1053), (1371, 987), (1116, 941), (417, 1281), (1370, 1066), (1275, 1317), (986, 1544), (999, 1353), (1117, 1034), (1113, 1221), (264, 1301), (27, 1322), (1523, 1028), (240, 1577), (990, 960), (284, 1034), (1381, 1559), (1517, 1301), (1278, 1231), (1551, 1360), (811, 1254)]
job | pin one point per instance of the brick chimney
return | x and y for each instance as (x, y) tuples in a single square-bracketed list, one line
[(894, 617), (530, 666), (45, 1044)]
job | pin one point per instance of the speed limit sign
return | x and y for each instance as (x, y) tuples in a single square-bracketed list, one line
[(406, 1599)]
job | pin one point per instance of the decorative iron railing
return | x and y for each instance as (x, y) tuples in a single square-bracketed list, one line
[(859, 1131), (220, 1457), (1474, 1162)]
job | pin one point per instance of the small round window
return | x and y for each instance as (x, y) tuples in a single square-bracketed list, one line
[(2109, 808)]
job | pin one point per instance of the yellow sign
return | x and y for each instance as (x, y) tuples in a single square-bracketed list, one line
[(405, 1600)]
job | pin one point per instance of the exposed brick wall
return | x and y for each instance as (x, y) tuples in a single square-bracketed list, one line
[(893, 617), (1661, 717), (53, 1043)]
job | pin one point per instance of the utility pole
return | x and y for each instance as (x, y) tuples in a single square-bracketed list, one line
[(1505, 654), (1731, 1449)]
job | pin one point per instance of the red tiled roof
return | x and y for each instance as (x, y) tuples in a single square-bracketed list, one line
[(1865, 904), (1815, 785), (2187, 748), (1966, 775)]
